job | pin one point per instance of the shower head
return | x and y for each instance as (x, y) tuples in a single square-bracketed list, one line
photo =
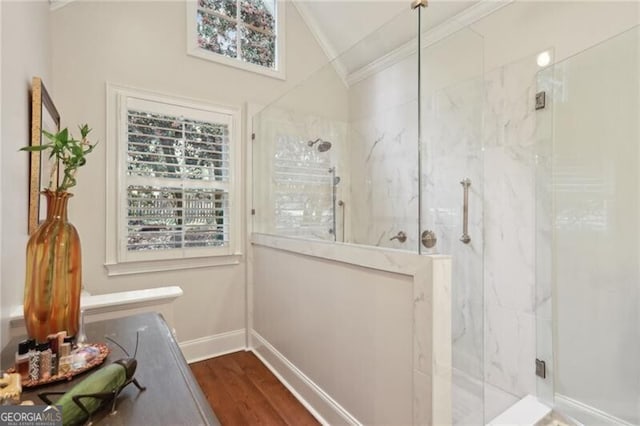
[(323, 146)]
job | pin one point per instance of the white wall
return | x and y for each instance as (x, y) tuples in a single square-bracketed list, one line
[(139, 44), (25, 54)]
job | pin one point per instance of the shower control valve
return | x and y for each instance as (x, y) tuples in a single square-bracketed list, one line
[(401, 236), (429, 239)]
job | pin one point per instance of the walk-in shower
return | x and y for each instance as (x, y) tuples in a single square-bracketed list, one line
[(373, 124), (441, 150)]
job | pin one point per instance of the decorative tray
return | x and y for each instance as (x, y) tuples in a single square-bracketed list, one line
[(100, 350)]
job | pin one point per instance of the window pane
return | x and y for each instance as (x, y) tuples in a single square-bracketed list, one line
[(160, 218), (153, 218), (216, 34), (224, 7), (258, 48), (153, 140), (205, 218), (259, 14), (163, 146), (206, 156)]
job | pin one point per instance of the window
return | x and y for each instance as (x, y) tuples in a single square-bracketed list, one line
[(242, 33), (176, 172)]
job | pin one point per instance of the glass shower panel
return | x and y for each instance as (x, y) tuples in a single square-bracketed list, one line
[(335, 158), (543, 309), (451, 76), (299, 146), (592, 260), (383, 125)]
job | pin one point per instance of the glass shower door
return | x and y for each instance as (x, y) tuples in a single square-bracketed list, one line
[(451, 78), (588, 266)]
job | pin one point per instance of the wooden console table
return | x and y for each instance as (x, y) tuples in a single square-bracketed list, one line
[(173, 396)]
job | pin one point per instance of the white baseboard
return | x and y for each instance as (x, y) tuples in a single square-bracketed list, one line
[(586, 413), (324, 408), (212, 346)]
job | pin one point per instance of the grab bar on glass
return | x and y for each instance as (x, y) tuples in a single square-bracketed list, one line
[(341, 204), (334, 182), (466, 183)]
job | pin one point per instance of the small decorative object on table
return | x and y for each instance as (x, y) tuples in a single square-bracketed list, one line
[(46, 368), (10, 389), (53, 267)]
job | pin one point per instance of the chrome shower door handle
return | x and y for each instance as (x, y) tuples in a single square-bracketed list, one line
[(466, 183)]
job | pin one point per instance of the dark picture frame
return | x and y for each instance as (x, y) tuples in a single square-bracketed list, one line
[(44, 115)]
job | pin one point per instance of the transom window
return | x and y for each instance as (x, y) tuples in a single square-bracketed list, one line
[(243, 33)]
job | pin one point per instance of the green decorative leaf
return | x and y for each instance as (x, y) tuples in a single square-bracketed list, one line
[(66, 150), (35, 148), (84, 130)]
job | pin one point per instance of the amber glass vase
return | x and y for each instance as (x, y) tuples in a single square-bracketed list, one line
[(54, 273)]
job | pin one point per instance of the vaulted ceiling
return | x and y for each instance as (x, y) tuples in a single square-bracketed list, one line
[(364, 30)]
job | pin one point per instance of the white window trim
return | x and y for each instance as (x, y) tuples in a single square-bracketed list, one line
[(119, 263), (194, 50)]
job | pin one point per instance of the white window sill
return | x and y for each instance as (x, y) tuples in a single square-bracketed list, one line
[(141, 267), (238, 63)]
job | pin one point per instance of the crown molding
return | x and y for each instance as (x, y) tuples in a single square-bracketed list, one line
[(430, 37), (321, 38)]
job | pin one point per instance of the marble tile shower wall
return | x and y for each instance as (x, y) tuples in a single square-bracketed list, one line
[(383, 147), (384, 178), (484, 130)]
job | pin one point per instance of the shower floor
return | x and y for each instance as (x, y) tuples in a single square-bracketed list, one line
[(473, 401)]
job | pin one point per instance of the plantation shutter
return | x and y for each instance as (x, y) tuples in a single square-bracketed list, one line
[(177, 178)]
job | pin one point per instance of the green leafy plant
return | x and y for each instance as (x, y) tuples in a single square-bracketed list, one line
[(68, 152)]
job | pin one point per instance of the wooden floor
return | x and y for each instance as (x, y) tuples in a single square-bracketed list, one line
[(242, 391)]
